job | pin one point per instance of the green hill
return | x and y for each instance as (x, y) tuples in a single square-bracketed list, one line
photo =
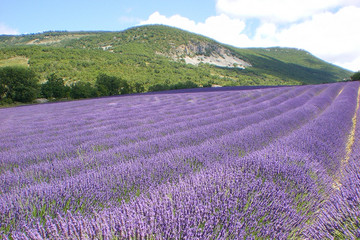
[(157, 54)]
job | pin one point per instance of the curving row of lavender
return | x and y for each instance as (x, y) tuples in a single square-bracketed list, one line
[(251, 164)]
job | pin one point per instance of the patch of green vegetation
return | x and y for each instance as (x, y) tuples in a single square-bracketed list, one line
[(194, 164), (355, 76), (290, 63), (14, 61), (99, 148)]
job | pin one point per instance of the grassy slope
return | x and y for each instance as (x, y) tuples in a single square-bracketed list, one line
[(132, 55), (293, 63)]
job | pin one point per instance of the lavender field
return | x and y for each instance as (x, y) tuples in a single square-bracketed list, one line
[(272, 163)]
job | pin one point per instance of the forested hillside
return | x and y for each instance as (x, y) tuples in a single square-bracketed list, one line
[(139, 54)]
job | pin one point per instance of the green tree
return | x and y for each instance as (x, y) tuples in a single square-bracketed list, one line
[(18, 84), (54, 87), (356, 76), (183, 85), (82, 90), (111, 85), (139, 88), (158, 87)]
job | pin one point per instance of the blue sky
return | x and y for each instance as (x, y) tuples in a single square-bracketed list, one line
[(326, 28), (31, 16)]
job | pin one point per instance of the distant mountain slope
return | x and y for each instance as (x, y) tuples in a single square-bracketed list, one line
[(157, 54), (294, 64)]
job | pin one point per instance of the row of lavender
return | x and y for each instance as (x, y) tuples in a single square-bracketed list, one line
[(113, 120), (21, 179), (41, 172), (339, 217), (232, 164), (145, 139)]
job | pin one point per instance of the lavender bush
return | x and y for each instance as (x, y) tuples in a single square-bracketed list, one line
[(272, 163)]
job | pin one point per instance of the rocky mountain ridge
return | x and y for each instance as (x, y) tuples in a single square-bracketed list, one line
[(196, 52)]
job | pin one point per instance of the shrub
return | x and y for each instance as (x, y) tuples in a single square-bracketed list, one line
[(54, 88), (18, 84), (111, 85), (82, 90), (356, 76)]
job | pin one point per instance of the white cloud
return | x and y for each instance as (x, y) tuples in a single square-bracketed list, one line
[(279, 10), (175, 21), (221, 28), (354, 64), (265, 35), (4, 29), (224, 29), (331, 36)]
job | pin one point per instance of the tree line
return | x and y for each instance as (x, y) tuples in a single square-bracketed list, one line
[(20, 84)]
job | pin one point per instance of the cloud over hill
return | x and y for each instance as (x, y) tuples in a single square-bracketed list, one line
[(325, 27)]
